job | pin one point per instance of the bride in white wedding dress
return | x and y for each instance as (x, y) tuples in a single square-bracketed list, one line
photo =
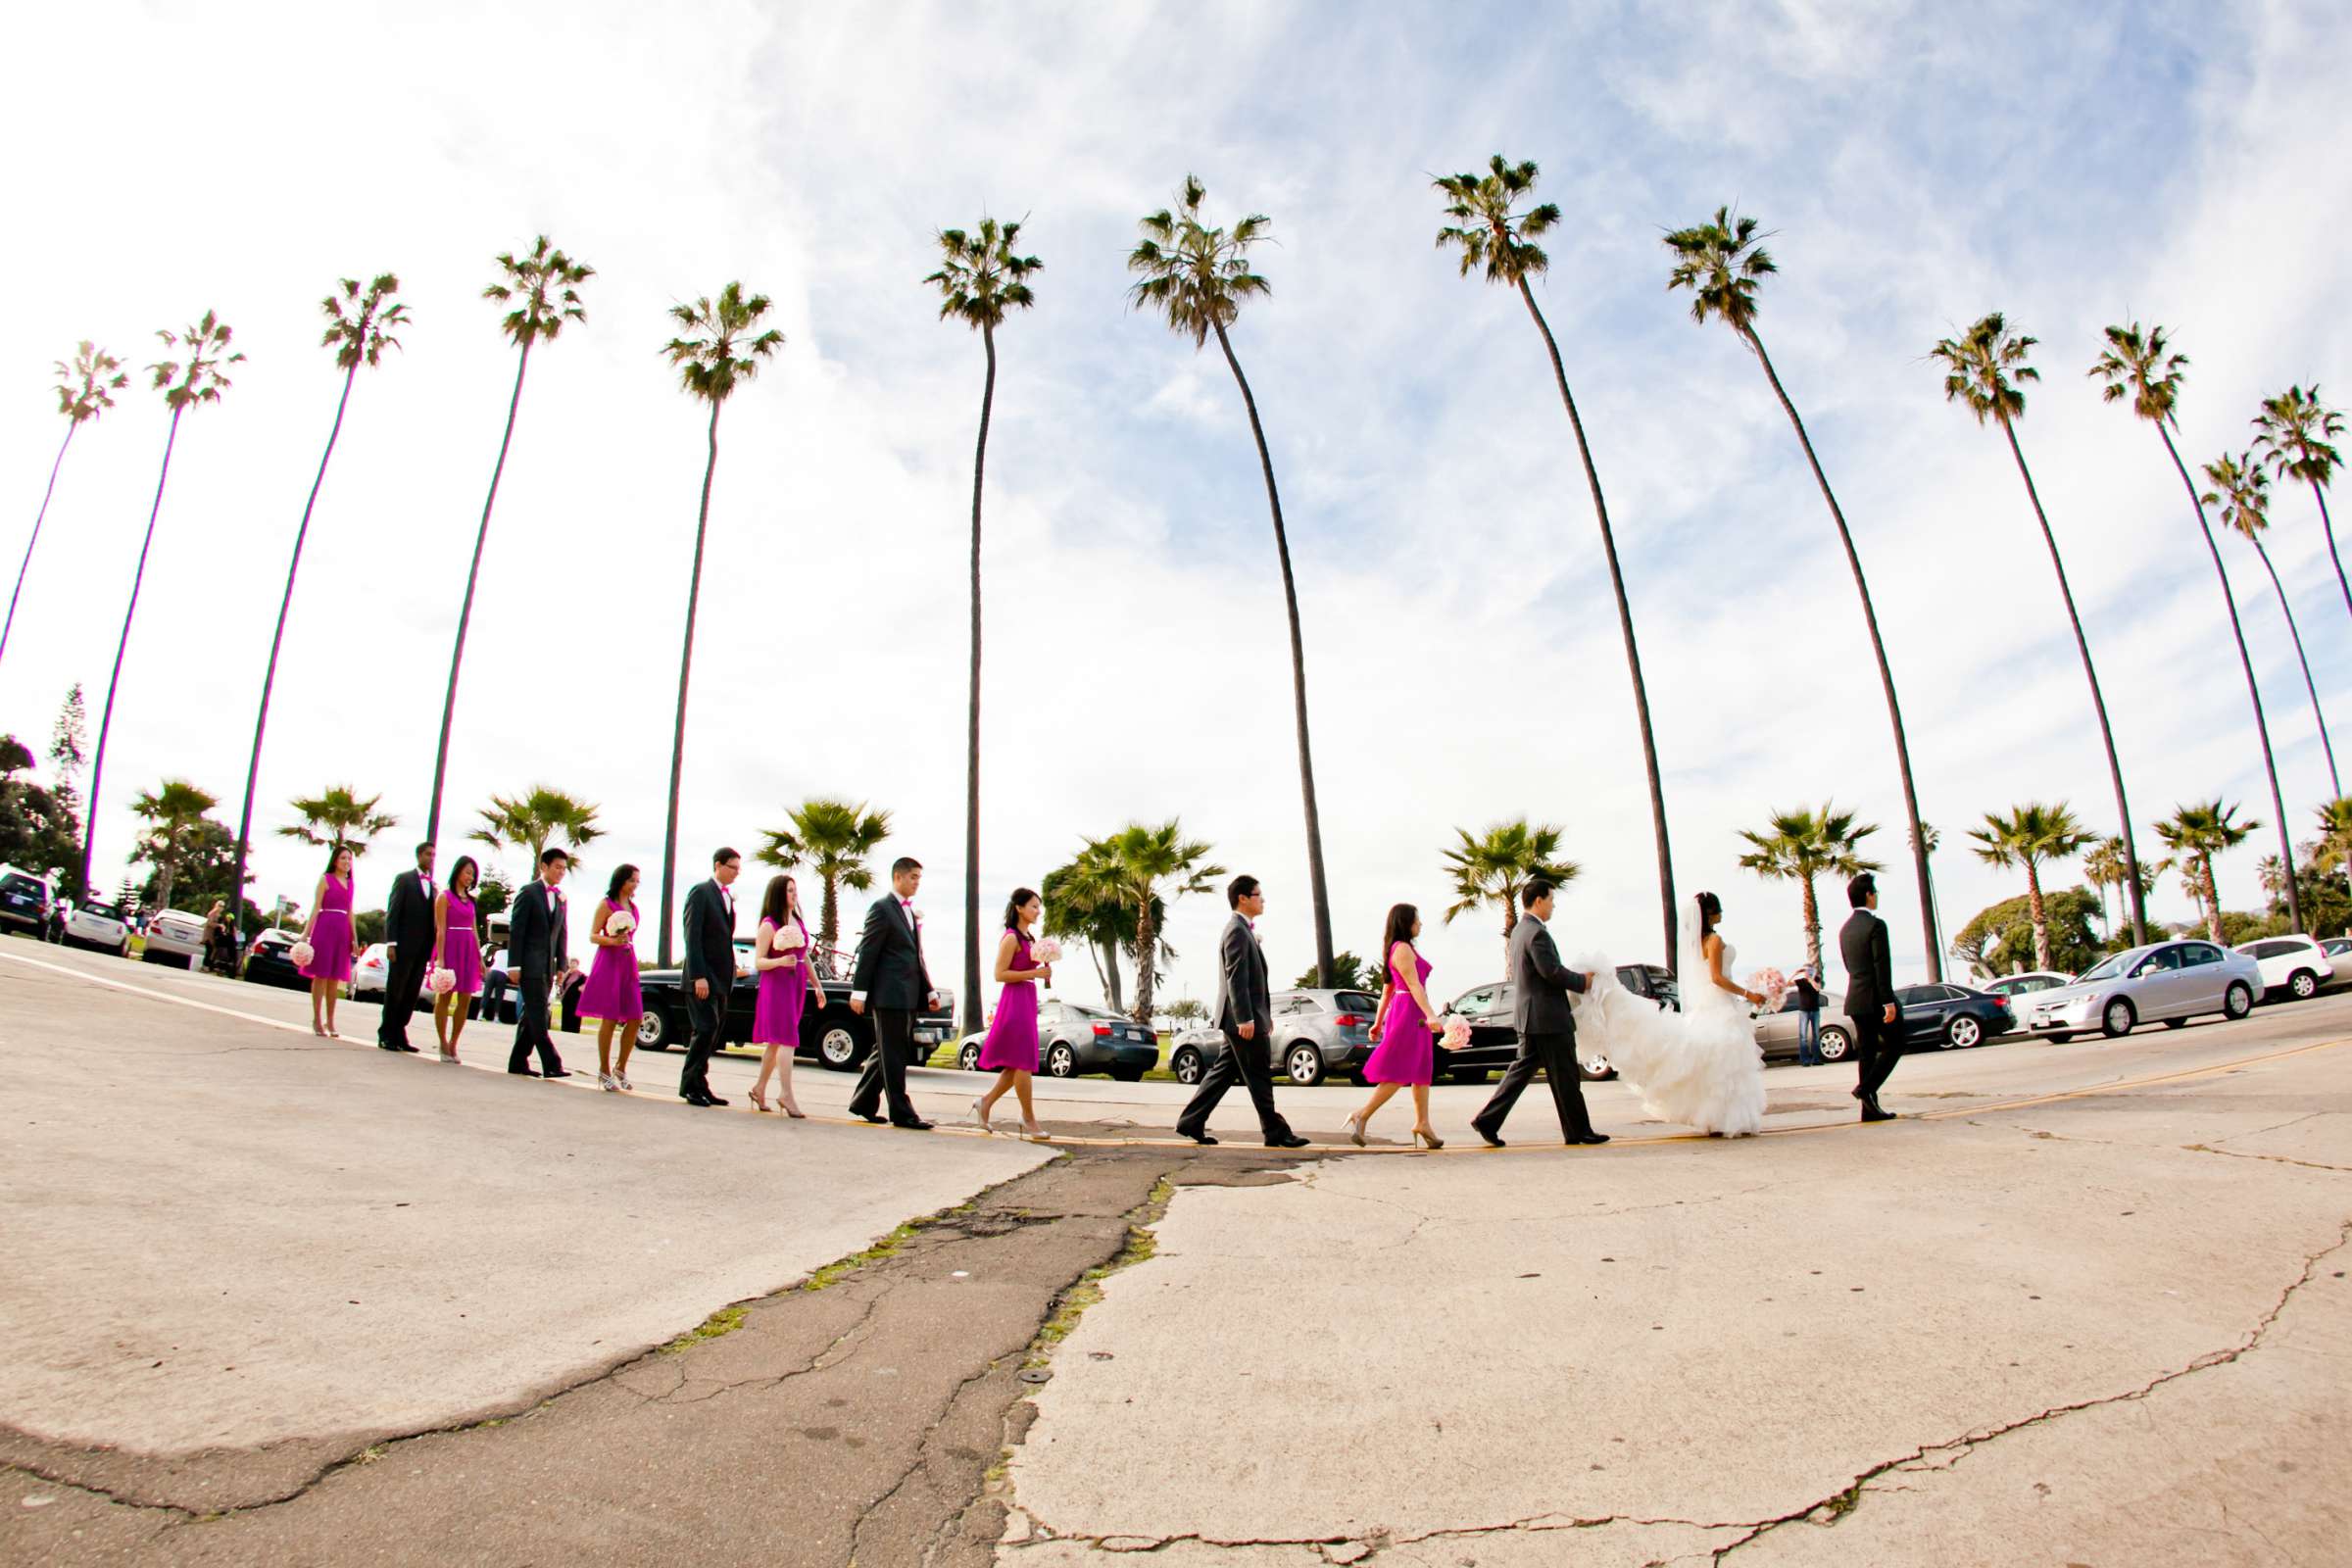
[(1699, 1067)]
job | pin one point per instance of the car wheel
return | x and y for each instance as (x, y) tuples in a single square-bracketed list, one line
[(2118, 1018), (2237, 1001), (1964, 1032), (1305, 1064), (2303, 985), (1595, 1069), (837, 1049), (1834, 1044), (1061, 1061), (1187, 1065), (1128, 1075), (654, 1030), (968, 1058)]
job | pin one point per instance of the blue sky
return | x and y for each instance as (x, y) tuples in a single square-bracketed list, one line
[(1917, 165)]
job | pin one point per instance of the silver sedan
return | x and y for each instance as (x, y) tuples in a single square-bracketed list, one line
[(2167, 982)]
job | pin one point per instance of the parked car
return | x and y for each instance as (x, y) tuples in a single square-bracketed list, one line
[(2337, 947), (1775, 1032), (2170, 982), (270, 960), (2291, 967), (1072, 1039), (835, 1036), (1951, 1017), (370, 970), (23, 900), (1316, 1034), (100, 927), (2018, 986), (175, 936)]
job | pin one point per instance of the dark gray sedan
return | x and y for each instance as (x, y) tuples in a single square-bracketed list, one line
[(1072, 1039), (1317, 1034)]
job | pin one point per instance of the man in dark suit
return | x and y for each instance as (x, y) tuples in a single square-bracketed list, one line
[(1869, 996), (536, 938), (1246, 1014), (709, 973), (892, 977), (409, 931), (1540, 988)]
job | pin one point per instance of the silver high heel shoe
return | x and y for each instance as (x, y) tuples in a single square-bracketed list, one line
[(1356, 1131), (1427, 1140), (980, 1116)]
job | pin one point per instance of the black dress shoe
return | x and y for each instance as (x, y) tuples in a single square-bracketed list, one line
[(522, 1072), (1589, 1137), (405, 1046), (1287, 1140), (713, 1099), (1492, 1141), (1871, 1113), (868, 1117), (386, 1045), (919, 1125), (694, 1099), (1202, 1138), (560, 1072)]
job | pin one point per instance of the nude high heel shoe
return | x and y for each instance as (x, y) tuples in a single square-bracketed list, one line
[(1427, 1140)]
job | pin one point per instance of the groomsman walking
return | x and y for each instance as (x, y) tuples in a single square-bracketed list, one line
[(537, 938), (1539, 987), (709, 973), (1869, 996), (1246, 1014), (892, 978), (409, 931)]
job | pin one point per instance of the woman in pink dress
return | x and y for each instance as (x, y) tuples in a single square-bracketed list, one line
[(1012, 1044), (456, 947), (788, 984), (1404, 1051), (611, 997), (328, 933)]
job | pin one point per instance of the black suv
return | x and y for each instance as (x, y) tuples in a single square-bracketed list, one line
[(1493, 1042)]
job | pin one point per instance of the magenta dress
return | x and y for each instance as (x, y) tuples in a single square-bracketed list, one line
[(613, 981), (331, 934), (1407, 1051), (461, 950), (783, 997), (1012, 1033)]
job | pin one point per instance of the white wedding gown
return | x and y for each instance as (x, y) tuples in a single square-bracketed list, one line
[(1699, 1067)]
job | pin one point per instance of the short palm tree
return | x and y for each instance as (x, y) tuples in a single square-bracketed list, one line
[(1493, 235), (2241, 496), (981, 276), (1489, 868), (1080, 905), (359, 328), (185, 383), (2196, 833), (84, 390), (723, 349), (2296, 434), (2030, 836), (337, 815), (1984, 369), (2333, 851), (1196, 278), (534, 819), (834, 840), (2140, 368), (1147, 868), (1720, 261), (1801, 846), (544, 289), (173, 815)]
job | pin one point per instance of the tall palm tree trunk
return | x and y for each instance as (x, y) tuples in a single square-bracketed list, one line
[(2039, 913), (56, 463), (1306, 762), (2335, 785), (106, 719), (2262, 728), (1624, 625), (1145, 940), (2327, 526), (261, 717), (1813, 930), (972, 786), (2098, 701), (828, 924), (1877, 646), (678, 739), (456, 654)]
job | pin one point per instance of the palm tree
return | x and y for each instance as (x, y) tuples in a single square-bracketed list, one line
[(2140, 366), (173, 816), (2333, 850), (1984, 369), (1492, 868), (1801, 845), (1492, 235), (2241, 494), (337, 815), (834, 840), (1083, 907), (1147, 868), (536, 817), (725, 348), (358, 330), (980, 277), (2296, 436), (2196, 833), (2028, 835), (544, 289), (2103, 868), (187, 383), (84, 390), (1196, 278), (1720, 263)]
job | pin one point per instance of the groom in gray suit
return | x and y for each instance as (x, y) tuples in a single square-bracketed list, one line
[(1540, 988), (1246, 1014)]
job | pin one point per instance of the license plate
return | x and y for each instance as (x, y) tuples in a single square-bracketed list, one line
[(926, 1037)]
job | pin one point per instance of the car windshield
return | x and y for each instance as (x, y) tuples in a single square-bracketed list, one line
[(2105, 969), (17, 882), (1357, 1001), (105, 911)]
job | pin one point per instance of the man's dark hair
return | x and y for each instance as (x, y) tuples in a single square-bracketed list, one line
[(1534, 891), (722, 855), (904, 863), (548, 857), (425, 846), (1240, 887), (1859, 890)]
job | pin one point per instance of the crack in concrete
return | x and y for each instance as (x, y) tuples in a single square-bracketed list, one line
[(2045, 1135)]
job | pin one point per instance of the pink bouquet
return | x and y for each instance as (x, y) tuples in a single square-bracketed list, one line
[(1458, 1032), (619, 923), (789, 939), (302, 953), (1773, 984), (1047, 950), (441, 981)]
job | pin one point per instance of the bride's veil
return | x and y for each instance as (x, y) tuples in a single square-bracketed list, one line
[(1691, 965)]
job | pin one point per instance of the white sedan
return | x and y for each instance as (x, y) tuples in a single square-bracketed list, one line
[(100, 926), (174, 937), (370, 970), (2295, 965)]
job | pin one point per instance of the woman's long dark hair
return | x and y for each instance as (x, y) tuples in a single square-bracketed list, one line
[(335, 853), (1398, 927), (777, 901), (620, 879), (1013, 906), (456, 875), (1710, 910)]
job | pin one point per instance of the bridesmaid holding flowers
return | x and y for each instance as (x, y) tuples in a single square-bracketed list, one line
[(786, 982), (1403, 1051), (1012, 1044), (327, 934), (612, 996), (457, 952)]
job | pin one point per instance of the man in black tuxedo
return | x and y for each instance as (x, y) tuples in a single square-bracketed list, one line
[(536, 937), (408, 932), (892, 978), (1246, 1014), (1540, 988), (709, 973), (1869, 996)]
